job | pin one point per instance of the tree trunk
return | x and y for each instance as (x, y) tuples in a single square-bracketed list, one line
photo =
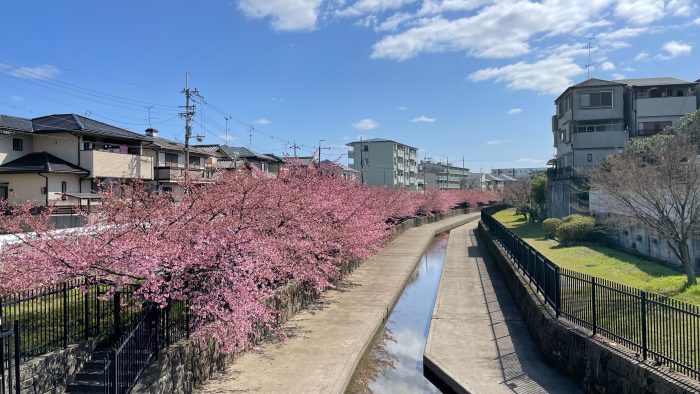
[(688, 263)]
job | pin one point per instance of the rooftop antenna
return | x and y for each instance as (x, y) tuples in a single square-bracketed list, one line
[(149, 108), (227, 118), (589, 64)]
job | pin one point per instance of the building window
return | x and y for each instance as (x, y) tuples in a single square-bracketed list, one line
[(3, 192), (651, 128), (365, 148), (64, 189), (17, 144), (589, 157), (194, 161), (597, 100), (171, 160), (167, 189)]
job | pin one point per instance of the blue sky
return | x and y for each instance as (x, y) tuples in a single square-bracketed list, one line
[(455, 78)]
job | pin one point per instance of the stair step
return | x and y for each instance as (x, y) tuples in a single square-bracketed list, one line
[(85, 388)]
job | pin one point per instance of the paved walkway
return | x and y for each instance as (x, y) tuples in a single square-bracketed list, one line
[(477, 341), (326, 342)]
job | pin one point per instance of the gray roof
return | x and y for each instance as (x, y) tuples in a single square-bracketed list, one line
[(15, 124), (81, 124), (656, 81), (590, 82), (166, 144), (39, 162), (379, 140), (244, 153)]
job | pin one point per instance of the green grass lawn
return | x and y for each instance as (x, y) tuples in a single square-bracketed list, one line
[(604, 262)]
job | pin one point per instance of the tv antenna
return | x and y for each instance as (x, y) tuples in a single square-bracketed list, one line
[(589, 64)]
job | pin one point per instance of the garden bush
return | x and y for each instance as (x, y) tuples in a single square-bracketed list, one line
[(550, 226), (576, 229)]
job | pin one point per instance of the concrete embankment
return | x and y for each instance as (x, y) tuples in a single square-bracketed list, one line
[(477, 341), (327, 341)]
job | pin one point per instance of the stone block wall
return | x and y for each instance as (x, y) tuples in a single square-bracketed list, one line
[(594, 363), (51, 372)]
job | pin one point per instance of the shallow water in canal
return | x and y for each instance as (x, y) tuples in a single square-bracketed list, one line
[(395, 362)]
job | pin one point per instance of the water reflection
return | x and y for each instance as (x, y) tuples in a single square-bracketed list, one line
[(395, 363)]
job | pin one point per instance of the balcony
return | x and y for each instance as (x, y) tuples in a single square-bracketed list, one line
[(173, 174), (600, 139), (102, 164), (665, 106)]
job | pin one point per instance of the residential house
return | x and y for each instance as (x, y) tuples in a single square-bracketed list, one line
[(596, 118), (169, 162), (231, 156), (441, 175), (519, 173), (58, 159), (384, 162)]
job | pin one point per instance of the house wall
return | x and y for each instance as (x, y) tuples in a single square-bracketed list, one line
[(23, 188), (61, 145), (7, 154), (116, 165)]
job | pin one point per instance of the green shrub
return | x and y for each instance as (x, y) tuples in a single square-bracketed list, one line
[(550, 226), (576, 229), (573, 217)]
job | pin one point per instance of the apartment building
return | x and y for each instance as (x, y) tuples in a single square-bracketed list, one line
[(384, 162), (441, 175), (519, 173), (61, 158), (596, 118)]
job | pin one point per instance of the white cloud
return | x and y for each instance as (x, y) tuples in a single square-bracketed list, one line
[(616, 76), (530, 160), (551, 75), (41, 73), (228, 138), (365, 124), (423, 119), (433, 7), (640, 12), (514, 111), (277, 100), (262, 122), (683, 8), (675, 49), (641, 57), (402, 108), (607, 66), (285, 15), (697, 21), (16, 98), (497, 142), (394, 22), (499, 30)]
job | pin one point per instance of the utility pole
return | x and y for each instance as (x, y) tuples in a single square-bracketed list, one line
[(188, 114), (448, 172), (227, 118), (295, 146), (425, 185), (319, 150), (149, 108), (250, 136), (464, 179)]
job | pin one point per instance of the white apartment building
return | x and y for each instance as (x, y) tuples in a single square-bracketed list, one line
[(384, 162)]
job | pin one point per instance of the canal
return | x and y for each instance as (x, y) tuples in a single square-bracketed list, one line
[(395, 362)]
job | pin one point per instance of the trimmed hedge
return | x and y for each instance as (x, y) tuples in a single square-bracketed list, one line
[(550, 226), (576, 228)]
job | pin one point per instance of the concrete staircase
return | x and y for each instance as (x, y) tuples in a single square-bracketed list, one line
[(91, 378)]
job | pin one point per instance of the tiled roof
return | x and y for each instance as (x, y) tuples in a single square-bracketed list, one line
[(41, 162), (15, 124), (167, 144), (81, 124)]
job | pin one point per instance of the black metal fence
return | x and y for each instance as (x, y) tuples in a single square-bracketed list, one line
[(652, 325), (153, 330), (52, 317)]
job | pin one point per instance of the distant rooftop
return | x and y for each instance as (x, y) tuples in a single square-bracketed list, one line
[(656, 81), (82, 124), (379, 140), (15, 124)]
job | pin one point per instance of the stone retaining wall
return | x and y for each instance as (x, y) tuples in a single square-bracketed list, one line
[(186, 364), (51, 372), (594, 363)]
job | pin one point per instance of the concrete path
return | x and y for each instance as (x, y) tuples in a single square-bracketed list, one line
[(477, 341), (326, 342)]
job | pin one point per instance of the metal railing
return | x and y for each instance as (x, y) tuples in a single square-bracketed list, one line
[(52, 317), (652, 325), (153, 330)]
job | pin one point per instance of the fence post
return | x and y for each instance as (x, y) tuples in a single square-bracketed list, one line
[(17, 356), (644, 325), (86, 309), (187, 318), (115, 372), (594, 319), (156, 324), (557, 291), (65, 315), (117, 315)]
